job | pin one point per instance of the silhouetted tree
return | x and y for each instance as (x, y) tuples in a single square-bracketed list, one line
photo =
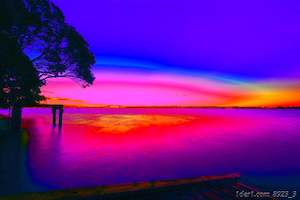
[(37, 30), (18, 78), (57, 49), (66, 55), (19, 81)]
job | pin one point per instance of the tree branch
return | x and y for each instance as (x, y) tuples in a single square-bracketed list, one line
[(54, 76), (38, 57)]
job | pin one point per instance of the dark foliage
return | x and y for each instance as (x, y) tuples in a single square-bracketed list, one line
[(19, 81), (56, 49), (59, 50), (37, 44)]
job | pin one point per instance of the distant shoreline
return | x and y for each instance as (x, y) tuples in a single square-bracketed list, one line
[(164, 107), (182, 107)]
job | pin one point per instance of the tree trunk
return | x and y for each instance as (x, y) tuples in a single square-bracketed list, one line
[(16, 118)]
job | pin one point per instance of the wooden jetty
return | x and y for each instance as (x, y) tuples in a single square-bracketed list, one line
[(201, 188), (18, 119), (55, 108), (60, 109)]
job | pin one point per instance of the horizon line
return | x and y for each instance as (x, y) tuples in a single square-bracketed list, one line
[(221, 107)]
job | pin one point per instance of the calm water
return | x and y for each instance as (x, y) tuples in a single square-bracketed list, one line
[(110, 146)]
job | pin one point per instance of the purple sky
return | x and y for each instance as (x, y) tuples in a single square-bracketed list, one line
[(190, 52), (255, 39)]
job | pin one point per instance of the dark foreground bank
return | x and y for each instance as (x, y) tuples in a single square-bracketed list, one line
[(205, 187)]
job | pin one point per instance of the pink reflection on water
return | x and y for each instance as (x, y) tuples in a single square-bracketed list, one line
[(104, 146)]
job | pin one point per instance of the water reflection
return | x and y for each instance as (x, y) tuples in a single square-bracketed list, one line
[(100, 147), (10, 162), (123, 123)]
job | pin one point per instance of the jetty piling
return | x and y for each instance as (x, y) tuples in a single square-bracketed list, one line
[(60, 109), (53, 116)]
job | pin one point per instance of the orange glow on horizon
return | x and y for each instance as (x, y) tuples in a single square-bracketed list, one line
[(142, 90)]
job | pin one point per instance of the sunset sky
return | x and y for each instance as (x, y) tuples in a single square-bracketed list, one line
[(186, 53)]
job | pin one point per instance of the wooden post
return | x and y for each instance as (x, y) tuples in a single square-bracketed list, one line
[(61, 110), (53, 116), (16, 118)]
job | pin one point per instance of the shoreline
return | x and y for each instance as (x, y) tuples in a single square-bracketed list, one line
[(142, 189), (164, 107)]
